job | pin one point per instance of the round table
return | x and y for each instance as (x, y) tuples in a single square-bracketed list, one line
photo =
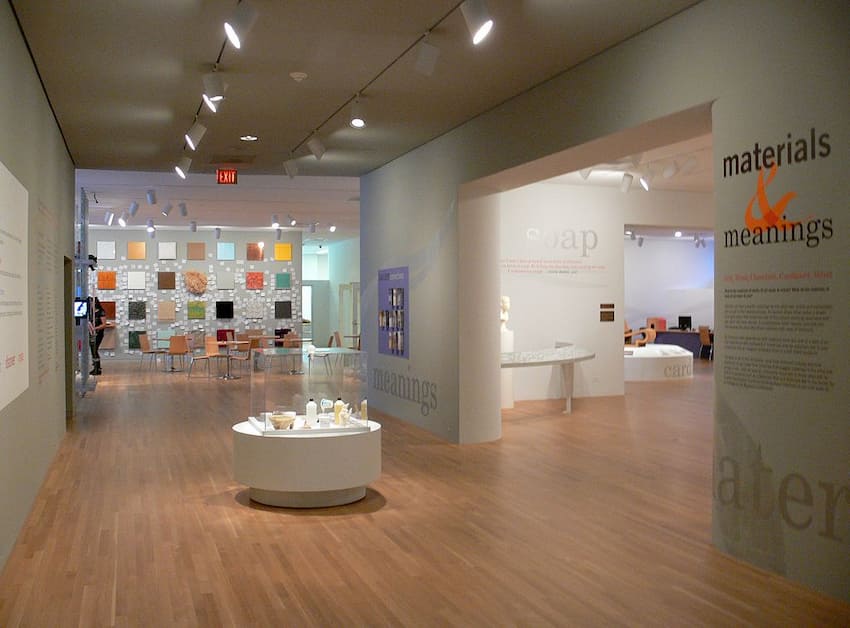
[(306, 469)]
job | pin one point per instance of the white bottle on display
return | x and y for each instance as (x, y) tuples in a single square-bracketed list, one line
[(338, 406), (312, 412), (364, 411)]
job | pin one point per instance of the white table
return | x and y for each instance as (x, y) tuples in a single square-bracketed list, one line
[(565, 357), (312, 470)]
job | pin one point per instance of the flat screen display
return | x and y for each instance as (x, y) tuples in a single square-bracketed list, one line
[(685, 323), (81, 309)]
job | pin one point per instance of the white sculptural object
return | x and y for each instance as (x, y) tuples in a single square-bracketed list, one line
[(505, 315)]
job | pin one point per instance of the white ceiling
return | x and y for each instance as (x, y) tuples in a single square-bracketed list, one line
[(124, 79)]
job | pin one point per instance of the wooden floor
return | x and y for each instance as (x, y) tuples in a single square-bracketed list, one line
[(598, 518)]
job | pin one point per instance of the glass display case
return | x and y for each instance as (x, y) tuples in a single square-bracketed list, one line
[(285, 380)]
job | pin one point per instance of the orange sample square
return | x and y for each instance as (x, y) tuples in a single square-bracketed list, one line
[(196, 250), (254, 281), (106, 280), (136, 250)]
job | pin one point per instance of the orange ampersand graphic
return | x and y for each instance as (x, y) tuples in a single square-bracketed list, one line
[(770, 215)]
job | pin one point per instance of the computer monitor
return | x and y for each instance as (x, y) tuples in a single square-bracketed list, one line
[(685, 323), (81, 308)]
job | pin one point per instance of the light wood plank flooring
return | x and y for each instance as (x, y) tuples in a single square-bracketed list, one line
[(599, 518)]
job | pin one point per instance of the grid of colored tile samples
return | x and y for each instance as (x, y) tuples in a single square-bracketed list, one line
[(184, 287)]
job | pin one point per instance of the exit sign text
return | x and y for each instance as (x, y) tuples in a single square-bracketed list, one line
[(225, 176)]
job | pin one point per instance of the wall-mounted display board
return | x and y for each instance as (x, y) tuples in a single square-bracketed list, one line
[(393, 295), (14, 303)]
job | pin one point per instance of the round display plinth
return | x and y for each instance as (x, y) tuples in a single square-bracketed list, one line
[(306, 470), (316, 499), (657, 362)]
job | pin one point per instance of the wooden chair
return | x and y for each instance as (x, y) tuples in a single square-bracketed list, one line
[(705, 340), (178, 346), (244, 357), (147, 350), (648, 337), (211, 352)]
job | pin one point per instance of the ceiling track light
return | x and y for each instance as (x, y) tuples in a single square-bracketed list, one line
[(670, 170), (193, 226), (151, 228), (151, 196), (218, 233), (109, 218), (645, 180), (239, 23), (626, 183), (640, 241), (134, 207), (275, 222), (184, 211), (631, 235), (292, 221), (357, 119), (478, 19), (278, 233), (291, 168), (122, 219), (677, 234), (426, 57), (213, 90), (316, 146), (182, 167), (194, 135), (332, 228), (166, 209)]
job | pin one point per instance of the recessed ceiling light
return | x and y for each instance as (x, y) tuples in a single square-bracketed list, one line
[(297, 76), (248, 138)]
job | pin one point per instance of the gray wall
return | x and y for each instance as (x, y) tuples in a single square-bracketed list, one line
[(785, 61), (32, 148)]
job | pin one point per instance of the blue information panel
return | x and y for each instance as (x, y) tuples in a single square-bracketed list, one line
[(393, 307)]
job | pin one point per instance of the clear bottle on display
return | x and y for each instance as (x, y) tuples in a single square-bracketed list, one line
[(312, 412)]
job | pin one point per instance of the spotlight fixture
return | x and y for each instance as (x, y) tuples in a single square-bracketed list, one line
[(122, 219), (670, 170), (195, 134), (332, 228), (182, 167), (151, 196), (109, 218), (183, 210), (631, 235), (689, 165), (150, 226), (585, 173), (357, 120), (677, 234), (312, 227), (478, 19), (193, 226), (152, 234), (316, 146), (291, 168), (426, 58), (166, 209), (292, 221), (626, 183), (645, 180), (218, 233), (248, 138), (640, 241), (275, 222), (240, 23), (134, 207), (278, 233), (213, 90), (696, 242)]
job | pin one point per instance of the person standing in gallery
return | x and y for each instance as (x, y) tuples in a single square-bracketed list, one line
[(96, 330)]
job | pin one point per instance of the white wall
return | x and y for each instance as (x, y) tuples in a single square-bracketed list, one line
[(787, 66), (343, 268), (31, 147), (669, 278), (561, 258)]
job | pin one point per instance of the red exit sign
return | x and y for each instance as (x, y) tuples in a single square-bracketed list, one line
[(225, 176)]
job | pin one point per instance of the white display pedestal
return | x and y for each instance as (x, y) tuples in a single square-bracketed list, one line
[(314, 470), (507, 386), (564, 356)]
